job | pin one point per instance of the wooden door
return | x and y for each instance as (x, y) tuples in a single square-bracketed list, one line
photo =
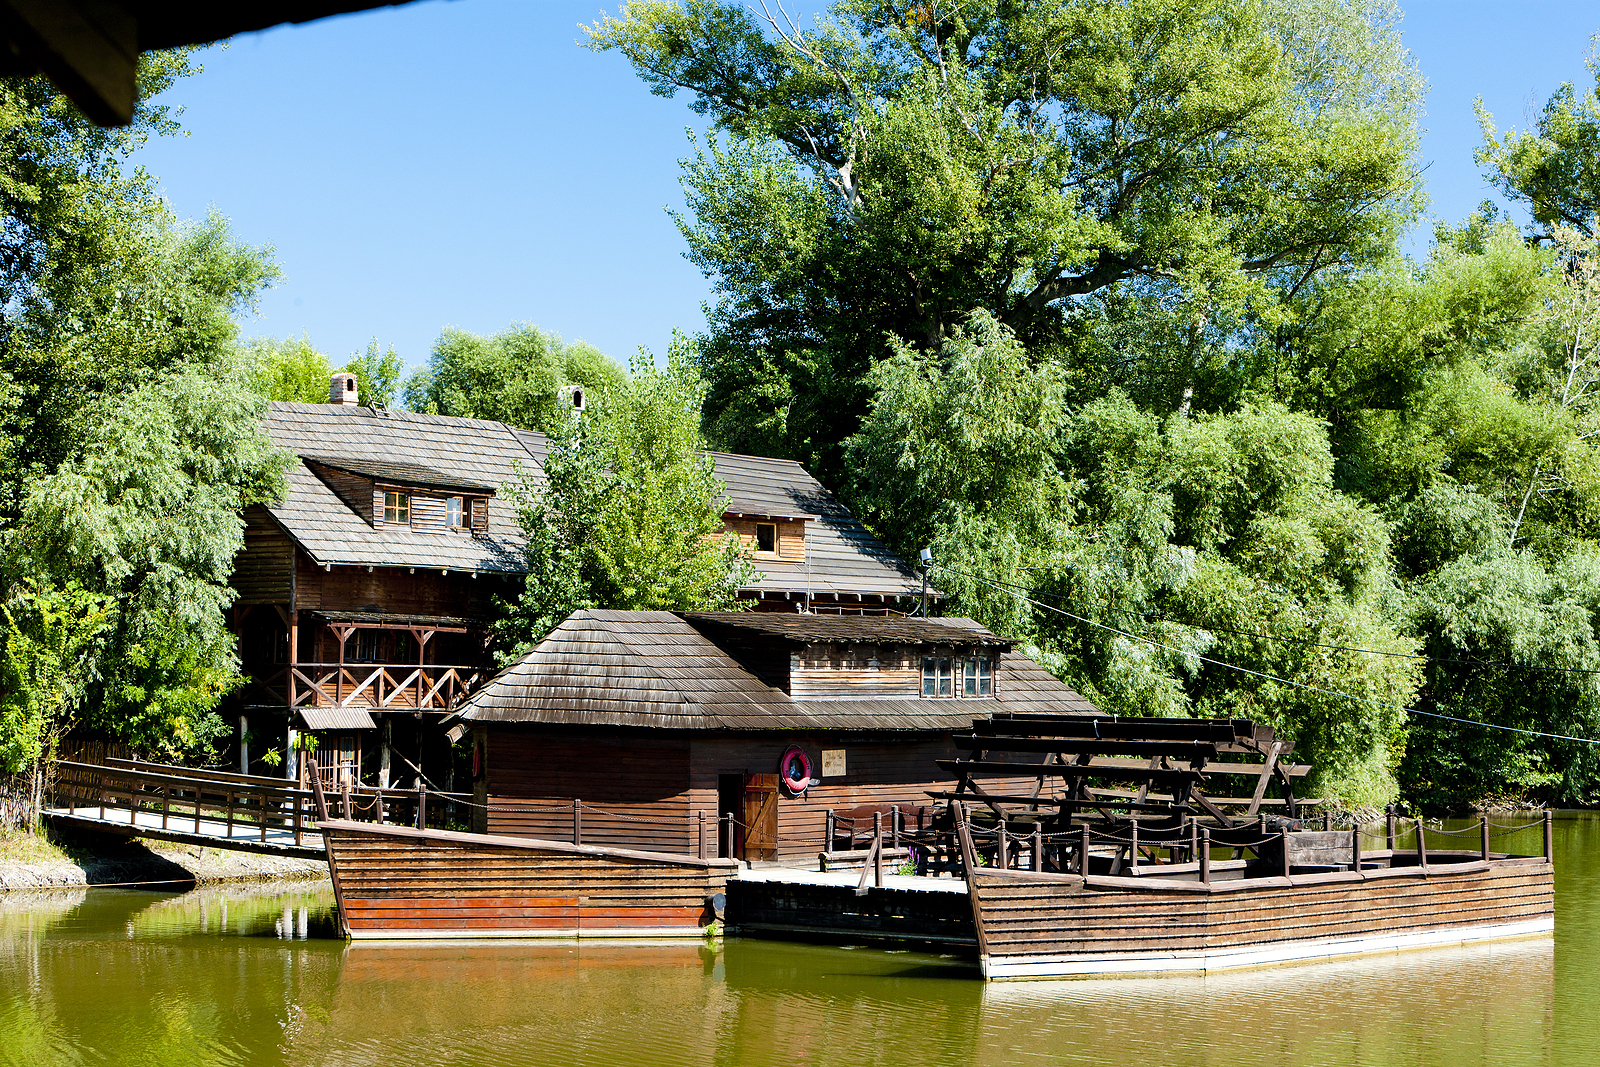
[(760, 817)]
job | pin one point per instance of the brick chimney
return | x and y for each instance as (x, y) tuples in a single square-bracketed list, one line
[(343, 390)]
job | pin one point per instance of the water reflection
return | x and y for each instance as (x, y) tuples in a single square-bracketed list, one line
[(223, 976)]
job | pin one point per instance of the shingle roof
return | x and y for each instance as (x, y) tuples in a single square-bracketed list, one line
[(654, 669), (852, 629), (446, 452)]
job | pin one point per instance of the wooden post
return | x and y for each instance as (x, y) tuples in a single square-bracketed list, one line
[(1001, 859), (577, 822), (700, 819), (377, 802), (728, 818), (344, 793), (1327, 820), (1083, 850), (877, 849), (829, 820), (1422, 846), (166, 803), (1483, 836), (1038, 848), (422, 803), (1355, 848), (1133, 847), (894, 826), (1283, 841), (1391, 829), (1549, 839), (1205, 855), (298, 821), (261, 816)]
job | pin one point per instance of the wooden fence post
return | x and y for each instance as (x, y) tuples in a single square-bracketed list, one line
[(1003, 856), (894, 825), (1422, 847), (1390, 821), (1038, 848), (577, 821), (877, 849), (1549, 839), (422, 803), (344, 793), (1205, 855), (827, 845), (1083, 850), (1355, 848), (166, 802), (1483, 836), (1283, 841), (700, 819), (1133, 848)]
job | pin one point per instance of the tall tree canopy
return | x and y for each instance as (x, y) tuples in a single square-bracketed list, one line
[(132, 438), (628, 511), (514, 376), (895, 167)]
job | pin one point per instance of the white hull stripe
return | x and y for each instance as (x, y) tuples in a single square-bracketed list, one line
[(1083, 965)]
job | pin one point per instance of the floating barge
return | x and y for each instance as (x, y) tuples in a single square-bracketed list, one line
[(1115, 863)]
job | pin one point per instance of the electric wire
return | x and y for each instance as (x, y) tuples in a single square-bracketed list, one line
[(1268, 677)]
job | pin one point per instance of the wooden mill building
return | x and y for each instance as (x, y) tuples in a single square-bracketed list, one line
[(649, 718), (364, 594)]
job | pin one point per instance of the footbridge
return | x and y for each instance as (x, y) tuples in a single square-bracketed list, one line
[(221, 809)]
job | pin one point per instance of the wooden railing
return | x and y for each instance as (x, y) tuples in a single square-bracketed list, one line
[(229, 806), (366, 685)]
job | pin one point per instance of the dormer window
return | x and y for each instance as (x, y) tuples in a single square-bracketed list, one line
[(397, 508), (978, 678), (936, 677), (767, 537), (455, 513)]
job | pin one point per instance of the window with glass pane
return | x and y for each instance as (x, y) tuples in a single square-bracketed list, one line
[(944, 678), (454, 513), (969, 683), (985, 677), (930, 678), (397, 508)]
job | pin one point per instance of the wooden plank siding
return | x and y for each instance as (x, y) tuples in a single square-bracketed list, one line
[(638, 789), (865, 672), (398, 591), (396, 882), (353, 489), (264, 570), (790, 540), (1108, 924)]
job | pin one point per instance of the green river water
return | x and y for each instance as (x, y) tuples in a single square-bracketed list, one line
[(254, 976)]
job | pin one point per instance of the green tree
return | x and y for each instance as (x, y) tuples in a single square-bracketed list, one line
[(628, 511), (133, 434), (893, 168), (377, 376), (292, 369), (512, 377), (1552, 168)]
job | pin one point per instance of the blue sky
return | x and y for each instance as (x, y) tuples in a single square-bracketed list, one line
[(466, 163)]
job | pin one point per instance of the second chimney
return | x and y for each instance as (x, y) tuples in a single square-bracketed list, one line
[(343, 390)]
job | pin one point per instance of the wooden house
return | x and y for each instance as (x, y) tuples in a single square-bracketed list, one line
[(662, 724), (364, 594)]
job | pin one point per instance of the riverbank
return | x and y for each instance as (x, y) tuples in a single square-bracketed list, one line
[(39, 861)]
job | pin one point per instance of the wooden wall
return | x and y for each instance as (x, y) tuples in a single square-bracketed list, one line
[(395, 589), (637, 787), (866, 672), (791, 539), (664, 779), (353, 489), (262, 572)]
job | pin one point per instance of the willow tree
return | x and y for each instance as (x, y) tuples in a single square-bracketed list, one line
[(894, 167)]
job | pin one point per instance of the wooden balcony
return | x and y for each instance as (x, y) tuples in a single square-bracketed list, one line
[(370, 686)]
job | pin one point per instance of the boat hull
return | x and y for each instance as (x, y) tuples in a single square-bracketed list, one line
[(398, 883), (1058, 926)]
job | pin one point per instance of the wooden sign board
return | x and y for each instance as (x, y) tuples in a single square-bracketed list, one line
[(833, 763)]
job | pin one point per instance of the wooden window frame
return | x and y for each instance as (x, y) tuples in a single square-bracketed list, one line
[(772, 551), (460, 519), (396, 508)]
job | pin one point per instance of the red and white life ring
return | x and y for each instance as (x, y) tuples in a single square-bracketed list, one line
[(794, 770)]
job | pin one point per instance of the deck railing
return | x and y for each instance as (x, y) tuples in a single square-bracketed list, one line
[(436, 687)]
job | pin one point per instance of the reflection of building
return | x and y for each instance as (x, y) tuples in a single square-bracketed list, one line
[(650, 718), (365, 593)]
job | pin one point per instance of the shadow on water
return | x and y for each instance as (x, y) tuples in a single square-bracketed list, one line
[(253, 976)]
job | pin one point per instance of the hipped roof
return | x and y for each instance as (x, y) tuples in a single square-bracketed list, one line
[(656, 669)]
